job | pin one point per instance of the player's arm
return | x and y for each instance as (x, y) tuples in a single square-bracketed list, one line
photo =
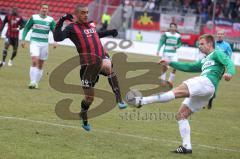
[(187, 67), (161, 42), (21, 23), (58, 33), (106, 33), (27, 28), (52, 27), (179, 43), (3, 24), (227, 62)]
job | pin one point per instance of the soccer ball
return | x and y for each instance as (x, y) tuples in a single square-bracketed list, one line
[(130, 97)]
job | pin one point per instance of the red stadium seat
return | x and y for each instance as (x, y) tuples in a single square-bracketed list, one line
[(29, 7)]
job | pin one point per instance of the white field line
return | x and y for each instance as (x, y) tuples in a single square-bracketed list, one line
[(115, 133)]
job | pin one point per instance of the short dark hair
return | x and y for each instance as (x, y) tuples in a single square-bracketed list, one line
[(44, 4), (80, 6), (209, 38)]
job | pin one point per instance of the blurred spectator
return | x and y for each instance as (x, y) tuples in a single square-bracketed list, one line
[(204, 8), (139, 36), (218, 10), (235, 14), (157, 4), (150, 5), (105, 21)]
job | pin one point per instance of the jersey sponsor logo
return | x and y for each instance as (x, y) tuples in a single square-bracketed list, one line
[(38, 26), (89, 32), (207, 63), (171, 41)]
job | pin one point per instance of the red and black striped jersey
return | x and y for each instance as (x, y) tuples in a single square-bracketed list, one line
[(86, 39), (15, 23)]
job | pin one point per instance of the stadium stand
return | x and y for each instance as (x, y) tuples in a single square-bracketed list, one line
[(29, 7)]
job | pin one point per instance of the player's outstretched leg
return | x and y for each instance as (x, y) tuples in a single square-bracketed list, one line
[(178, 92), (113, 82), (107, 70), (139, 101)]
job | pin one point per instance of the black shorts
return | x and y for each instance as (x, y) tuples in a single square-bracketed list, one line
[(12, 41), (89, 75)]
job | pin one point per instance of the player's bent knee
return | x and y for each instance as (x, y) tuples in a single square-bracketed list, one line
[(181, 91), (89, 99), (183, 113)]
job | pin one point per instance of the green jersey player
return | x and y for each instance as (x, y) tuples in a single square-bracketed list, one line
[(172, 41), (197, 91), (40, 24)]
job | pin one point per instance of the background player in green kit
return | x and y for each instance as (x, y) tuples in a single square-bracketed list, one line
[(172, 41), (197, 91), (41, 24)]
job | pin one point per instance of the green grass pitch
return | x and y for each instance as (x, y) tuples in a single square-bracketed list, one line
[(30, 128)]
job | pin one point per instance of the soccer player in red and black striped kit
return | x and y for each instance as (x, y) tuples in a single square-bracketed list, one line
[(15, 23), (93, 58)]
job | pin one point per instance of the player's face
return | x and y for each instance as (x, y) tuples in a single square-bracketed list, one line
[(44, 10), (204, 46), (82, 15), (173, 28), (220, 35)]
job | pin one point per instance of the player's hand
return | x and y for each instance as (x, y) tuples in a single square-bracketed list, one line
[(23, 45), (67, 16), (227, 77), (163, 62), (55, 45), (114, 32)]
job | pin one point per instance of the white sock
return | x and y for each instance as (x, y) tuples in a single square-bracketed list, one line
[(171, 77), (33, 73), (184, 129), (162, 98), (163, 76), (39, 75)]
